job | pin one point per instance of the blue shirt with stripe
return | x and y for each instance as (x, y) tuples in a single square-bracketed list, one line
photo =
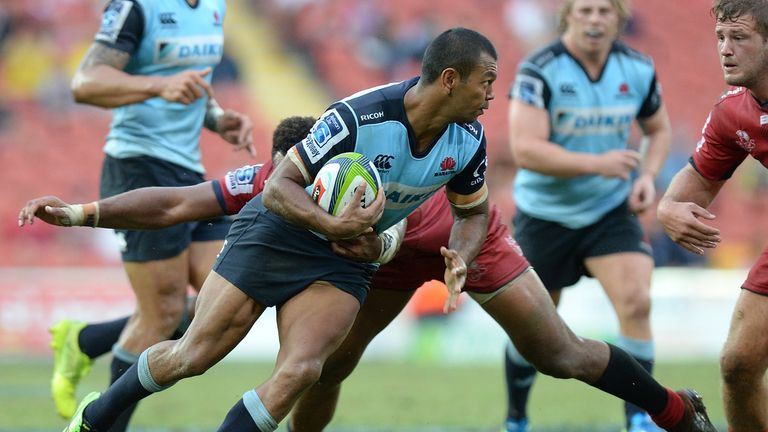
[(163, 37), (585, 115), (374, 123)]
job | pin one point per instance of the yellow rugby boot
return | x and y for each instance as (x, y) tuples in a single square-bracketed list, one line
[(69, 365)]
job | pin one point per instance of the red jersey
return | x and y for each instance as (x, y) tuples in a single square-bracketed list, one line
[(736, 127), (419, 259)]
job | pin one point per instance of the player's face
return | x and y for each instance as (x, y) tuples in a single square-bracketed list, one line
[(743, 51), (473, 95), (593, 25)]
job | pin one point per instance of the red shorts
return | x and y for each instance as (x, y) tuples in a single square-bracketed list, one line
[(500, 261), (757, 280)]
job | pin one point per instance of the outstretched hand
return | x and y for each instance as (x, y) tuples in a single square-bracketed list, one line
[(49, 209), (682, 222), (455, 276), (237, 129)]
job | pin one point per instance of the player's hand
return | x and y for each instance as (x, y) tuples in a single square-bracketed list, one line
[(187, 86), (49, 209), (236, 129), (455, 276), (365, 247), (682, 222), (643, 194), (618, 163), (354, 219)]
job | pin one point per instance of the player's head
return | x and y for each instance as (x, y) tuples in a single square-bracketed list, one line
[(288, 132), (462, 64), (742, 40), (457, 48), (592, 25)]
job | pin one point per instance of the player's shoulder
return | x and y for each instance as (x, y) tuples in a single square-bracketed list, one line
[(732, 96), (474, 129), (622, 49), (378, 104), (544, 56)]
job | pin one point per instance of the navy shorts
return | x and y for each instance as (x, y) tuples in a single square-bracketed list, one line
[(558, 253), (272, 260), (122, 175)]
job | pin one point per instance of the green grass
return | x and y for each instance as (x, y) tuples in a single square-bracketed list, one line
[(378, 396)]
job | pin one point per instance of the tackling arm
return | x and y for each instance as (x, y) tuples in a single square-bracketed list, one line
[(682, 207), (145, 208)]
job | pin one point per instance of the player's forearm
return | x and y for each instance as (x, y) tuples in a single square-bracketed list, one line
[(656, 152), (145, 208), (689, 186), (290, 201), (107, 87), (470, 228), (551, 159)]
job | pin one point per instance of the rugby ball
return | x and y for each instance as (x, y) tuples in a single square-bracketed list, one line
[(336, 182)]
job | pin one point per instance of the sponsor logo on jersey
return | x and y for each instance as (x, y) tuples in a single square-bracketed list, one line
[(593, 121), (744, 140), (112, 20), (329, 130), (241, 181), (216, 18), (383, 162), (372, 116), (763, 120), (447, 167), (167, 18), (568, 89), (401, 196), (624, 90), (478, 175), (189, 50), (530, 90)]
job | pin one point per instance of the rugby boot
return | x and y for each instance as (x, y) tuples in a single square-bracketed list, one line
[(69, 365)]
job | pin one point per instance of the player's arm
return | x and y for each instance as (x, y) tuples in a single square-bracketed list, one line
[(100, 79), (684, 205), (470, 225), (284, 195), (369, 247), (144, 208)]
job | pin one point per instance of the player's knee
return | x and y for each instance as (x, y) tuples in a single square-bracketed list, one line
[(336, 371), (193, 359), (299, 375), (737, 368), (636, 306)]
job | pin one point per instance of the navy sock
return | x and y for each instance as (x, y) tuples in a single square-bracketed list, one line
[(519, 380), (118, 368), (248, 414), (97, 339), (123, 393), (626, 379), (631, 409), (238, 419)]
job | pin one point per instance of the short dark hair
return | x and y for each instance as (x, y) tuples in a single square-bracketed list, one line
[(289, 132), (458, 48), (731, 10)]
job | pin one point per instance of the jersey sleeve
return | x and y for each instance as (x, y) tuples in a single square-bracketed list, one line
[(716, 157), (472, 178), (122, 26), (334, 132), (531, 88), (237, 187), (652, 101)]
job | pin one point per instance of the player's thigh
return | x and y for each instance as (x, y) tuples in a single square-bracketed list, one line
[(747, 343), (223, 316), (160, 285), (313, 323), (625, 276), (527, 314), (379, 309), (202, 256)]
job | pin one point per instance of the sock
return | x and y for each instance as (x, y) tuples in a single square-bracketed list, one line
[(626, 379), (643, 352), (126, 391), (248, 414), (121, 361), (672, 412), (519, 379), (96, 340)]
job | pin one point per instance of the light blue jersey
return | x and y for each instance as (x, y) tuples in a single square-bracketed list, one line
[(164, 37), (374, 123), (585, 116)]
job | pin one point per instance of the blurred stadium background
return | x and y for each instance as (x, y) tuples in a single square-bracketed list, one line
[(293, 57)]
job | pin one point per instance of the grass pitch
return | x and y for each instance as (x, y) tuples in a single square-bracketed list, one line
[(378, 397)]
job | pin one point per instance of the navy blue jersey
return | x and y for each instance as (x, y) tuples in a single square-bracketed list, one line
[(373, 122)]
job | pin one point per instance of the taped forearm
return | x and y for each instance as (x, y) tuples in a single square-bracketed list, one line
[(213, 113), (80, 215)]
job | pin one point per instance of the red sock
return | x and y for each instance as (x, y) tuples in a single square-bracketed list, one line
[(672, 413)]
